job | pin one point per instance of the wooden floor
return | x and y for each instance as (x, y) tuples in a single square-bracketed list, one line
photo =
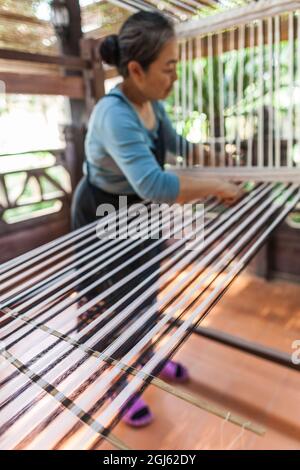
[(268, 313)]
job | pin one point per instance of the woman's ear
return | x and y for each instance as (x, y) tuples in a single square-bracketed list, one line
[(135, 70)]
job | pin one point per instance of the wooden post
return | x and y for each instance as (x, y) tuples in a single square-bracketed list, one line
[(74, 133), (94, 76), (74, 150)]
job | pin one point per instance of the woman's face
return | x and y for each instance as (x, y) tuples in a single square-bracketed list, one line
[(157, 81)]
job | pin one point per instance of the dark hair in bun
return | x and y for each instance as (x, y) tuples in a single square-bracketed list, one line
[(141, 38), (109, 50)]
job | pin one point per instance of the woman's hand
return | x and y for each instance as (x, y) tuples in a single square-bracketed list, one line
[(193, 186), (229, 193)]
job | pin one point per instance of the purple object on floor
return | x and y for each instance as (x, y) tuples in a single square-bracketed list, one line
[(138, 414), (174, 372)]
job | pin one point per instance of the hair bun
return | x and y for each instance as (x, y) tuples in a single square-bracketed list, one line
[(110, 50)]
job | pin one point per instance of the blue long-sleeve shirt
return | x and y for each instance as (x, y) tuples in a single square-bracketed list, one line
[(118, 149)]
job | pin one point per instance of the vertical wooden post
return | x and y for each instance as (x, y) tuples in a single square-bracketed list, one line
[(75, 131), (94, 76), (70, 44), (74, 152)]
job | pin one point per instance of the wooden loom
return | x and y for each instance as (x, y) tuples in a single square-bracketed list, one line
[(57, 386)]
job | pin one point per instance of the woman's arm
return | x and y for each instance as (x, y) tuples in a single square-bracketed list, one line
[(194, 186), (125, 142)]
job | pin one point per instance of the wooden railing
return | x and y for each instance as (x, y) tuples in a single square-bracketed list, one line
[(28, 221), (24, 225), (38, 176)]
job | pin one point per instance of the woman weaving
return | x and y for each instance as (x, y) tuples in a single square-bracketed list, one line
[(128, 137)]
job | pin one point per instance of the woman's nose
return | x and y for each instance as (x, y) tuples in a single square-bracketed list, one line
[(175, 76)]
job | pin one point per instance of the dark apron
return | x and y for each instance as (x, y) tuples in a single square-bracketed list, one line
[(87, 198)]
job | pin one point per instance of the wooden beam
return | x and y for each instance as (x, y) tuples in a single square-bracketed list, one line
[(228, 44), (17, 17), (101, 32), (236, 16), (72, 87), (29, 67), (64, 60)]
